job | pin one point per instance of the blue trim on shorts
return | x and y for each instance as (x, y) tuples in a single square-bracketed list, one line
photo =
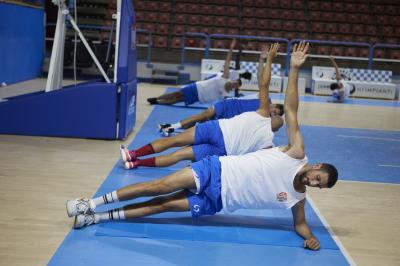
[(232, 107), (208, 200), (208, 140), (190, 94)]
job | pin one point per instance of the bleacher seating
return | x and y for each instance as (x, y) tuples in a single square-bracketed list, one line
[(373, 21)]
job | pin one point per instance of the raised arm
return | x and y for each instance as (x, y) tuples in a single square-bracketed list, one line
[(291, 105), (228, 59), (338, 77), (266, 78), (261, 61), (301, 227)]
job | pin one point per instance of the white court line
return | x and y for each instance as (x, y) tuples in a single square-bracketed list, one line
[(388, 165), (362, 137), (335, 238)]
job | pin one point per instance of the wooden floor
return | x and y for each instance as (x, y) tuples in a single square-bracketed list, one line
[(38, 174)]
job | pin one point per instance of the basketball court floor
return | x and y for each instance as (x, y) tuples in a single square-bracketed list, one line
[(356, 221)]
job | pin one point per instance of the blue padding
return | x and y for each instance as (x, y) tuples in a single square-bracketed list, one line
[(127, 44), (87, 110), (127, 108), (244, 238), (21, 42)]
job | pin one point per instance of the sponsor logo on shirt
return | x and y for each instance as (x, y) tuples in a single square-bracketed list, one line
[(281, 196)]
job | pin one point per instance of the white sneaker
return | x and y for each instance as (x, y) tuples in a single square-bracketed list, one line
[(79, 206), (125, 156), (166, 132), (82, 220), (162, 126), (130, 165)]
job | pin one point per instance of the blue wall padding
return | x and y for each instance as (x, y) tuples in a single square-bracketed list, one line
[(127, 44), (245, 238), (127, 108), (88, 110), (21, 42)]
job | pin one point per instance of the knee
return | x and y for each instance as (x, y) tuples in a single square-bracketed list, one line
[(209, 113)]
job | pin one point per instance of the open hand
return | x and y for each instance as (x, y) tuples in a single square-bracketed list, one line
[(299, 54), (273, 50), (311, 243)]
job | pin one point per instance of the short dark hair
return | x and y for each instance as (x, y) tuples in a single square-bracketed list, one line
[(239, 81), (332, 173), (334, 86), (281, 109), (246, 75)]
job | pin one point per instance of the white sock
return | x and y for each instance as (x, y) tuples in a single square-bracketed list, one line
[(117, 214), (105, 199), (176, 125)]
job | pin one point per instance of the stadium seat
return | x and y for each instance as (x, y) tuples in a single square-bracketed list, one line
[(176, 42), (178, 30), (337, 51), (165, 7), (160, 41), (379, 53), (322, 50), (395, 54), (180, 19), (351, 52)]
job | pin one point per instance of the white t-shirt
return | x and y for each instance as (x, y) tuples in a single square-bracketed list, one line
[(246, 133), (346, 88), (212, 89), (260, 180)]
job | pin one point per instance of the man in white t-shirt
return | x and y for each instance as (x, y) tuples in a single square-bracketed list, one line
[(212, 89), (244, 133), (268, 178), (341, 90)]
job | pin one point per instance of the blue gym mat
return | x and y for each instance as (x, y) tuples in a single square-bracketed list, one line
[(246, 237)]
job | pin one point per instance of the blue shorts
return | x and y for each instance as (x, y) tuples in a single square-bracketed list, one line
[(233, 107), (208, 140), (207, 201), (190, 94)]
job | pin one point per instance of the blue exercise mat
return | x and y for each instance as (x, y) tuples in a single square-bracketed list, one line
[(242, 238)]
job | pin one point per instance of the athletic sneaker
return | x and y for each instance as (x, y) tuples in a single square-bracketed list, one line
[(82, 220), (162, 126), (166, 132), (125, 155), (152, 100), (79, 206), (131, 165)]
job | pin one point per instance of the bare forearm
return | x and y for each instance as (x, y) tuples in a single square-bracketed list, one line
[(292, 94), (264, 88), (227, 63), (260, 70), (304, 231), (336, 69)]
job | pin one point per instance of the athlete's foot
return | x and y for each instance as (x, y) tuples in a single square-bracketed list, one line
[(126, 156), (82, 220), (166, 132), (131, 165), (152, 100), (162, 126), (79, 206)]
